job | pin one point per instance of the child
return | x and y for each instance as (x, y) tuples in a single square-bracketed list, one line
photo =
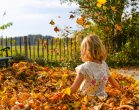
[(93, 74)]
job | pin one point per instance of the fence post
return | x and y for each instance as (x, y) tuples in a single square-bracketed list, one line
[(55, 44), (2, 44), (34, 44), (11, 46), (20, 45), (38, 47), (51, 49), (71, 48), (43, 47), (60, 48), (47, 49), (67, 49), (64, 44), (75, 48), (16, 46), (29, 42), (26, 46)]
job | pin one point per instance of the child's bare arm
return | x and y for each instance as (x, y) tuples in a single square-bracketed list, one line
[(78, 80), (113, 82)]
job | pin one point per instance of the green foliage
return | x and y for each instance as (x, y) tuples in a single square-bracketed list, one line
[(126, 57), (115, 27), (5, 26), (18, 58), (41, 61), (121, 60)]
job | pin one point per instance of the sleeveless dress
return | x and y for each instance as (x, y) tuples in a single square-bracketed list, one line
[(95, 78)]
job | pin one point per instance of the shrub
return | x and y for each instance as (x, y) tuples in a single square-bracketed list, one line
[(17, 58), (41, 61)]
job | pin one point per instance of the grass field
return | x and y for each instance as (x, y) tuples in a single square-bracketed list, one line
[(49, 52)]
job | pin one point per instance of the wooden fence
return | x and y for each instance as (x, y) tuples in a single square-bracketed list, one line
[(51, 49)]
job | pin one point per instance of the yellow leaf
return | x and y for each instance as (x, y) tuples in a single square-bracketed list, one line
[(66, 91), (4, 99), (4, 90), (64, 76), (102, 1), (47, 95), (59, 83), (43, 73), (99, 5), (85, 99), (113, 8), (104, 8), (46, 106)]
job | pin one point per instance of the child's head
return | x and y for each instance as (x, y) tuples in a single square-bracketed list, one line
[(92, 49)]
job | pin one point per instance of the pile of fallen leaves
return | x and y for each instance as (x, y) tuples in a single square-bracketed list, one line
[(28, 86)]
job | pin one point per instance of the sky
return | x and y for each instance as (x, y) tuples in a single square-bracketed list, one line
[(33, 16)]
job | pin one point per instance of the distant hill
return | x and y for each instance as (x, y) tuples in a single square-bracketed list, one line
[(32, 38)]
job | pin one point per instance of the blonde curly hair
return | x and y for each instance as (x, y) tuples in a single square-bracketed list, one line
[(92, 48)]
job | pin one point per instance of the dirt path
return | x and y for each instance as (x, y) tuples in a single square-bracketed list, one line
[(134, 72)]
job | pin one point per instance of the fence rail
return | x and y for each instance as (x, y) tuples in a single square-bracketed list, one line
[(51, 49)]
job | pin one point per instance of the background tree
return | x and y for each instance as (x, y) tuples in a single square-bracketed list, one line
[(113, 22)]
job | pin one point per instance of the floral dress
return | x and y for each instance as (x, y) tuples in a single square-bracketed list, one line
[(95, 78)]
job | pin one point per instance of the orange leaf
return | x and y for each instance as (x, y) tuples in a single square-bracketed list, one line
[(22, 97), (56, 97), (84, 107), (46, 68), (21, 105), (118, 27), (80, 21), (56, 29)]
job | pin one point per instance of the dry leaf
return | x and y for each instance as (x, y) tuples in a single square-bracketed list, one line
[(72, 16), (56, 29), (52, 22)]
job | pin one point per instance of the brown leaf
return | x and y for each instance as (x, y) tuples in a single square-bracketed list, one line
[(71, 16), (52, 22), (56, 29)]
